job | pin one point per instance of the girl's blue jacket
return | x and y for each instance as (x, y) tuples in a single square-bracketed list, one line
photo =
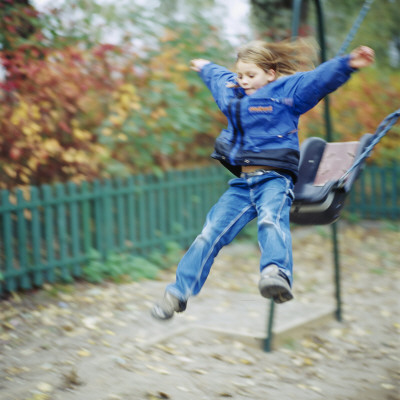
[(262, 127)]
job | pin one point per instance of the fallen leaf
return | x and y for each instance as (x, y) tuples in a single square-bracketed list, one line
[(71, 379), (159, 370), (200, 371), (44, 387), (83, 353), (16, 370), (388, 386)]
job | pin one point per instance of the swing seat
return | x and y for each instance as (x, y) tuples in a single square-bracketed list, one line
[(318, 196)]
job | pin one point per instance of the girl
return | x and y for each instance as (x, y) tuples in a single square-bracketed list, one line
[(262, 102)]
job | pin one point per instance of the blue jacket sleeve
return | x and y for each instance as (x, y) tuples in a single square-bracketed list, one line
[(313, 85), (216, 78)]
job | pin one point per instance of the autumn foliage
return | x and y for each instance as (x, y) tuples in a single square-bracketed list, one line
[(79, 111), (358, 108), (76, 112)]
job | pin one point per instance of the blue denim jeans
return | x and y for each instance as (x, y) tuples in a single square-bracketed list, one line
[(268, 197)]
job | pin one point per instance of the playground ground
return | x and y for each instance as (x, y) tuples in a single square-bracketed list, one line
[(87, 342)]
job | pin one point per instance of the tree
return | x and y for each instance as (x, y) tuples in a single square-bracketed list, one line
[(273, 18), (82, 108)]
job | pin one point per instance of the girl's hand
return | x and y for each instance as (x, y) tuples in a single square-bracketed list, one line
[(198, 63), (361, 57)]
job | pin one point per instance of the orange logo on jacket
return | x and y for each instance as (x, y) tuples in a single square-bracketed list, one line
[(260, 109)]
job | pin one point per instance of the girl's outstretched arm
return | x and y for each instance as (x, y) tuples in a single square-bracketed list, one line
[(361, 57)]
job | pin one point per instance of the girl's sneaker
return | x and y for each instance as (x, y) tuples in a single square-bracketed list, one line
[(168, 305), (274, 285)]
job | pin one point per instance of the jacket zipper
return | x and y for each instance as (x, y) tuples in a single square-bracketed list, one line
[(238, 136)]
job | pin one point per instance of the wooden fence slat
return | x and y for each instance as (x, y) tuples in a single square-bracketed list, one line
[(49, 232), (75, 229), (98, 218), (87, 237), (131, 221), (22, 242), (36, 238), (62, 230), (8, 239), (120, 211)]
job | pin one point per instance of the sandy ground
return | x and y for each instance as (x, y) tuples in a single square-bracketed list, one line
[(84, 342)]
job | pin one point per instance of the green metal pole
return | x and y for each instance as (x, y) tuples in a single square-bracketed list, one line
[(268, 339), (328, 130), (336, 260)]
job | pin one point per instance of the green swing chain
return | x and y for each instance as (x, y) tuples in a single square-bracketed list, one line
[(388, 122), (357, 23), (381, 131)]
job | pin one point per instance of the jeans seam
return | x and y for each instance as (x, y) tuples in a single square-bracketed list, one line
[(215, 243), (280, 211)]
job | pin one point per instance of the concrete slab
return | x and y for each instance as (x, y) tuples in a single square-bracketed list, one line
[(244, 317)]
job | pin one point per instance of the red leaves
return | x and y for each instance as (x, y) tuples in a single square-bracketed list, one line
[(55, 99), (15, 153)]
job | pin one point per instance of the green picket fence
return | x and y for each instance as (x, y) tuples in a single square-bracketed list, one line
[(49, 233), (376, 194)]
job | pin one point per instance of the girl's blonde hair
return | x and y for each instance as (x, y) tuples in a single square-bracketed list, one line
[(285, 58)]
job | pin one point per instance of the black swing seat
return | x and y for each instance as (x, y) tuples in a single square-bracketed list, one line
[(319, 192)]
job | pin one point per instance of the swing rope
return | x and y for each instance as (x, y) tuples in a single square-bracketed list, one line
[(357, 23), (388, 122), (380, 132)]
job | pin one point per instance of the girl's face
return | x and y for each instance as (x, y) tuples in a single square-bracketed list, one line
[(251, 78)]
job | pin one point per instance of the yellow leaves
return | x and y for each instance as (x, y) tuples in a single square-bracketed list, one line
[(182, 67), (24, 113), (32, 163), (117, 120), (20, 113), (106, 132), (81, 134), (73, 155), (101, 151), (55, 115), (45, 105), (52, 146), (10, 171), (159, 113), (169, 36), (24, 178), (31, 128), (125, 100), (122, 137), (35, 112), (128, 88), (69, 89)]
